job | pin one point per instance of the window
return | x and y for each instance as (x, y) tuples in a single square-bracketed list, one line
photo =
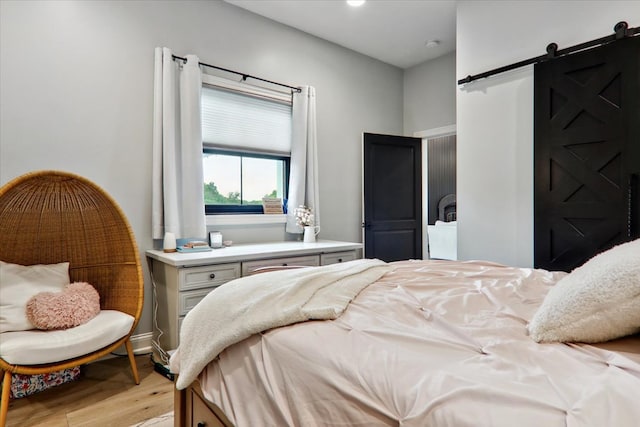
[(236, 182), (246, 136)]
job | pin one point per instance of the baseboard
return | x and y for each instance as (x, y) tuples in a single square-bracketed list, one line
[(141, 345)]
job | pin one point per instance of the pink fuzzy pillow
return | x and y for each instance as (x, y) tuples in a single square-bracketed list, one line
[(78, 303)]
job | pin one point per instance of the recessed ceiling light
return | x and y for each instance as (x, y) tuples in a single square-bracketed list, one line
[(432, 43), (355, 3)]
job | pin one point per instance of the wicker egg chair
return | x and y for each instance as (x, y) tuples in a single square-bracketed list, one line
[(49, 217)]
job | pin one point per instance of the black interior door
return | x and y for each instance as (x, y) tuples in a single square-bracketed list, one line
[(392, 197), (587, 153)]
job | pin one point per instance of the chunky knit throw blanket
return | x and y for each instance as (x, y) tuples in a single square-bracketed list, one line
[(237, 309)]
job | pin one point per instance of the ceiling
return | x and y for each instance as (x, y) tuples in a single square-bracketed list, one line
[(392, 31)]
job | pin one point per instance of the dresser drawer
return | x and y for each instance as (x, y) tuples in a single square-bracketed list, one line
[(336, 257), (207, 276), (307, 261), (188, 299)]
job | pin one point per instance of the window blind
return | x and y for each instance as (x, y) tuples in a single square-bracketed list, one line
[(233, 120)]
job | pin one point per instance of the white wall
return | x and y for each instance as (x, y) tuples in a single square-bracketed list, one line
[(430, 94), (429, 103), (495, 115), (76, 94)]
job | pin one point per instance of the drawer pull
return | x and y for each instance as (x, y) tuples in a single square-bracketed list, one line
[(284, 264), (212, 276), (339, 259), (201, 424)]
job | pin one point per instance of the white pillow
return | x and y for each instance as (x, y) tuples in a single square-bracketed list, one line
[(18, 283), (598, 301)]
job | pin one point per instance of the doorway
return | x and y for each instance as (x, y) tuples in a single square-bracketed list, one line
[(441, 198), (441, 178), (392, 197)]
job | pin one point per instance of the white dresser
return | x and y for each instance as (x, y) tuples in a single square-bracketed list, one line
[(181, 280)]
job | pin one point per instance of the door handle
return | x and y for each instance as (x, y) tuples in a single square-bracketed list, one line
[(366, 225)]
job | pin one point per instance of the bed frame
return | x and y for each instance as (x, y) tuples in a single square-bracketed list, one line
[(191, 409)]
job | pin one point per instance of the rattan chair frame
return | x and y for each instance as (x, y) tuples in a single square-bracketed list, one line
[(47, 217)]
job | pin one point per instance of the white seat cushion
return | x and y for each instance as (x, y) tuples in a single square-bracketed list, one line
[(34, 347)]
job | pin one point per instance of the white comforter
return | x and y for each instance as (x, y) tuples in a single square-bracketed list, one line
[(242, 307)]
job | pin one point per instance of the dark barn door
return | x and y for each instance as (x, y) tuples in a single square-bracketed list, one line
[(392, 197), (587, 153)]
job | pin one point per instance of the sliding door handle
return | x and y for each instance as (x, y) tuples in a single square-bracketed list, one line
[(633, 210)]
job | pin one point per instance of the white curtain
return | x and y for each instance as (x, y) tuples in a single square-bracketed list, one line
[(178, 197), (303, 179)]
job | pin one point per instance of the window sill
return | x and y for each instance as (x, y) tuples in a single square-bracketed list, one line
[(246, 219)]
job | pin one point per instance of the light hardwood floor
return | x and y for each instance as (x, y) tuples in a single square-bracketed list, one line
[(104, 395)]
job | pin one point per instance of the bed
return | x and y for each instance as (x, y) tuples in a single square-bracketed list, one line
[(425, 343)]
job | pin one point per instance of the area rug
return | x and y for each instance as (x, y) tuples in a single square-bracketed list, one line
[(165, 420)]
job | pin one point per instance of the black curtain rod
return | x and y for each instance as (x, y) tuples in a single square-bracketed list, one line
[(245, 76), (621, 30)]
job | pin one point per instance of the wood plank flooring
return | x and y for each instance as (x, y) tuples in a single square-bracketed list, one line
[(104, 395)]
